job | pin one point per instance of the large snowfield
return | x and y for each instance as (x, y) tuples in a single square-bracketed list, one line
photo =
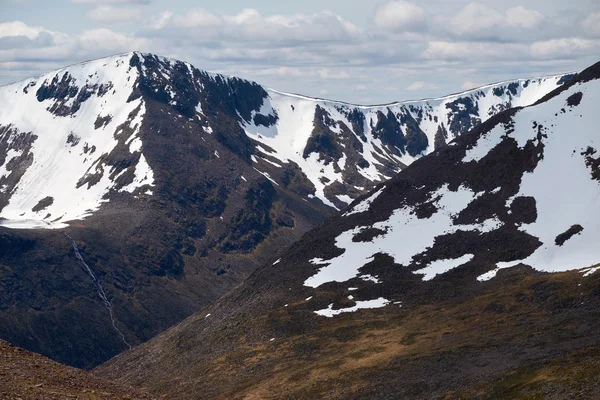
[(562, 185), (58, 164)]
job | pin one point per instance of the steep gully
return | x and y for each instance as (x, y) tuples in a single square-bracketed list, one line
[(100, 290)]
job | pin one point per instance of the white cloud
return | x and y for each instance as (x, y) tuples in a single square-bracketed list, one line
[(326, 73), (564, 47), (479, 21), (592, 24), (404, 52), (554, 49), (400, 16), (305, 72), (44, 49), (469, 51), (18, 28), (524, 17), (160, 21), (420, 85), (110, 42), (475, 18), (113, 14), (250, 25), (193, 19)]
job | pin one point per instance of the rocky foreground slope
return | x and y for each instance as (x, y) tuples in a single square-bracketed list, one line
[(471, 274), (28, 376), (135, 189)]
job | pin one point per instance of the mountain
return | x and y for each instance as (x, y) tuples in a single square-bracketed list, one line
[(29, 376), (135, 190), (74, 135), (470, 274)]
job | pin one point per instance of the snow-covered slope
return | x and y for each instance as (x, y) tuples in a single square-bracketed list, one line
[(62, 138), (527, 192), (69, 140), (341, 147)]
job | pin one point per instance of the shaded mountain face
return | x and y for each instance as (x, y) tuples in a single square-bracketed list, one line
[(135, 190), (471, 274)]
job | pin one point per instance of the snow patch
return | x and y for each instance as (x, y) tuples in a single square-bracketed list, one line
[(440, 266), (329, 312)]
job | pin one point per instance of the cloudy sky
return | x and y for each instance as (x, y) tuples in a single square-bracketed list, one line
[(364, 51)]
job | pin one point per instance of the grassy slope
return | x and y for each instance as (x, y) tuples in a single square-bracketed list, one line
[(516, 338)]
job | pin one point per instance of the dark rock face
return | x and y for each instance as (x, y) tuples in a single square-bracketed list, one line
[(574, 99), (323, 140), (592, 162), (253, 223), (357, 119), (388, 130), (416, 139), (462, 115), (510, 89), (294, 179), (568, 234), (440, 137), (64, 89), (102, 121), (12, 139), (566, 78), (225, 100), (368, 234), (44, 203), (265, 121)]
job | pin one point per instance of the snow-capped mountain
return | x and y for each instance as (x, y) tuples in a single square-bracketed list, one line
[(168, 186), (69, 140), (470, 274)]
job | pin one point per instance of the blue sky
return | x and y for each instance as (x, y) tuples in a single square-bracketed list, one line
[(356, 51)]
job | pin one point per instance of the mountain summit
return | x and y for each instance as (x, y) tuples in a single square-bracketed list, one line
[(147, 188)]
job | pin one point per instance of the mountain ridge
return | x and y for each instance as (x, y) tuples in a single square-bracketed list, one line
[(377, 162)]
